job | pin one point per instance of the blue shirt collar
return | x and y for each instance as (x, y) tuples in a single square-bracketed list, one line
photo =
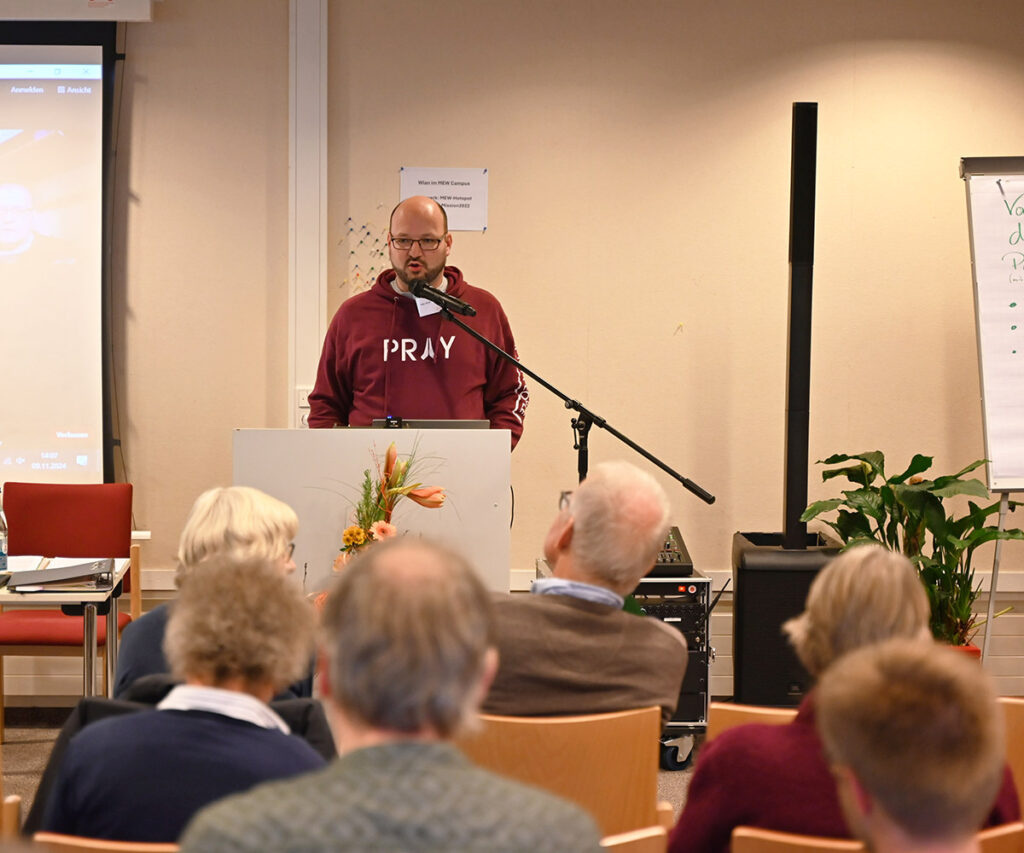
[(577, 589)]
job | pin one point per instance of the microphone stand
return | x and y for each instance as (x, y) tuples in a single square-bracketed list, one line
[(584, 420)]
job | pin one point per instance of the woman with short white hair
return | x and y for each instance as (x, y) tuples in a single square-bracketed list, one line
[(237, 633), (237, 523)]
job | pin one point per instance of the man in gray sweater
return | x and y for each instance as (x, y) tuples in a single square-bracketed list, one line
[(568, 647), (407, 655)]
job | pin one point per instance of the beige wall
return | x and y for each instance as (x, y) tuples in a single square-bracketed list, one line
[(201, 248), (639, 192)]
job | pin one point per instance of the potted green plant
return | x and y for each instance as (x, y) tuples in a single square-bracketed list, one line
[(906, 513)]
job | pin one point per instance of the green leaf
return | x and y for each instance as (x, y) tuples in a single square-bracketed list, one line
[(855, 474), (867, 501), (946, 487), (974, 519), (914, 501), (977, 463), (818, 507), (836, 458), (874, 459), (990, 534), (918, 464), (853, 525)]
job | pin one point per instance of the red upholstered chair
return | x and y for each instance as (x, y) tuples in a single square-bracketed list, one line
[(51, 520)]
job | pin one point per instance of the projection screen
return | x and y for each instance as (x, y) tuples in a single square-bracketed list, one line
[(51, 271)]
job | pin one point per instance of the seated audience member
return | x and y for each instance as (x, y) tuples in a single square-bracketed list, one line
[(915, 737), (775, 777), (406, 656), (569, 647), (238, 631), (237, 522)]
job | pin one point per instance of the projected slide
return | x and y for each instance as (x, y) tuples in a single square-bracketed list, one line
[(51, 133)]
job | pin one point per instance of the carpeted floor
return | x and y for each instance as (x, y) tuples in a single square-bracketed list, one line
[(30, 734), (25, 751)]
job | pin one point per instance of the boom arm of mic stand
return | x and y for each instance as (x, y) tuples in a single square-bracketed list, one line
[(581, 425)]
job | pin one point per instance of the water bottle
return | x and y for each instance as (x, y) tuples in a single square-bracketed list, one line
[(3, 542)]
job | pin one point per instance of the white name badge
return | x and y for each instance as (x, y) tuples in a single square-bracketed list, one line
[(426, 307)]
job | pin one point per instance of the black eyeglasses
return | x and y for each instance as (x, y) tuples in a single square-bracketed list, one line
[(564, 499), (291, 550), (427, 244)]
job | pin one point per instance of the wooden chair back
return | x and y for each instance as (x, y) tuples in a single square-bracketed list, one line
[(57, 843), (1008, 838), (1013, 713), (650, 839), (749, 839), (607, 763), (726, 715), (10, 817)]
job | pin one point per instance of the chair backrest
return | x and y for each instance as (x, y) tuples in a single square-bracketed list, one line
[(749, 839), (69, 520), (726, 715), (10, 817), (1013, 712), (650, 839), (607, 763), (1008, 838), (58, 843)]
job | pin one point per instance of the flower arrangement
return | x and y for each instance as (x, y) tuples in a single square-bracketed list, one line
[(383, 487)]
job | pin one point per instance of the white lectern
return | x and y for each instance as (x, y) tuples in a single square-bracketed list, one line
[(319, 473)]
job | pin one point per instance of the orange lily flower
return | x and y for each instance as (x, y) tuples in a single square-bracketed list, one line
[(431, 497), (390, 458)]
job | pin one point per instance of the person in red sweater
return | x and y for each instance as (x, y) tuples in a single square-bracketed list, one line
[(389, 354), (777, 777)]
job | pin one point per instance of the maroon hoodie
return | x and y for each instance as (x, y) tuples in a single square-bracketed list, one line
[(381, 359)]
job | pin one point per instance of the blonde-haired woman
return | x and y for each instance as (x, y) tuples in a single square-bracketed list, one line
[(776, 777), (237, 523)]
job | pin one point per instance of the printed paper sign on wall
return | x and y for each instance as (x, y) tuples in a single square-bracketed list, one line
[(463, 192)]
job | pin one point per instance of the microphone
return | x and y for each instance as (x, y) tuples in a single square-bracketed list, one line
[(418, 287)]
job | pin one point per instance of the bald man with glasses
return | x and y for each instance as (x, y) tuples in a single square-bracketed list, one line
[(390, 354)]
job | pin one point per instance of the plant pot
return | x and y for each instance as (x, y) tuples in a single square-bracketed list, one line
[(970, 650)]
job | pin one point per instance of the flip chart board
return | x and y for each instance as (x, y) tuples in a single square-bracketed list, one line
[(995, 210)]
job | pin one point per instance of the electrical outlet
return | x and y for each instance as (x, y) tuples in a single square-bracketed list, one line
[(301, 415)]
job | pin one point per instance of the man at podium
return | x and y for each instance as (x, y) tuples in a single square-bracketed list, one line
[(390, 354)]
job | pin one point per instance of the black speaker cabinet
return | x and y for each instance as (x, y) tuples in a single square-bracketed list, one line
[(770, 586)]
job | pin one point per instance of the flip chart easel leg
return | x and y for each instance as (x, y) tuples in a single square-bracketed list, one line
[(1004, 506)]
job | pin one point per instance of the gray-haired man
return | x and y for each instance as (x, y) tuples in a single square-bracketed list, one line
[(569, 648)]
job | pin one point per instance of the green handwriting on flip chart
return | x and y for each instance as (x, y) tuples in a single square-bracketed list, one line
[(1015, 207), (1015, 237)]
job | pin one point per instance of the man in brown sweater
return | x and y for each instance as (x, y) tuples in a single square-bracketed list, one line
[(568, 647)]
